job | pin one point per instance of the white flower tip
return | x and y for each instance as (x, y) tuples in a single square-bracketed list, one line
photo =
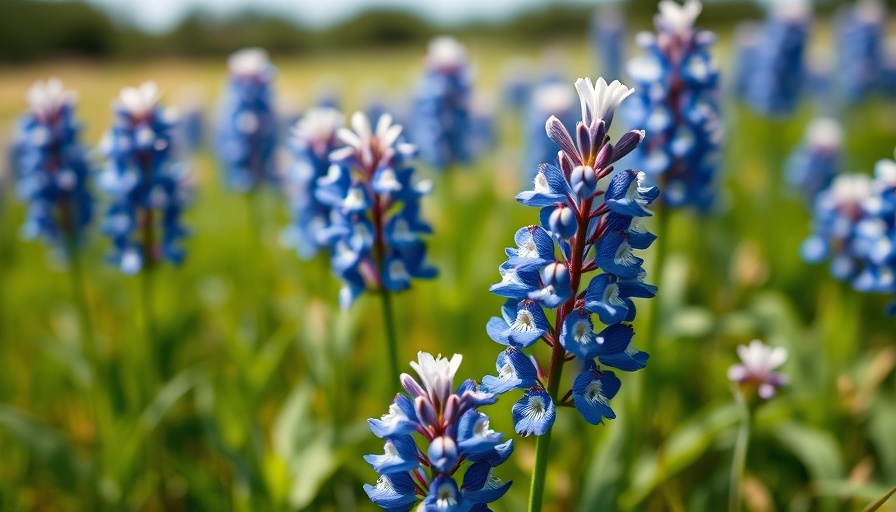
[(446, 52), (795, 11), (249, 62), (825, 132), (46, 98), (553, 98), (679, 18), (139, 101)]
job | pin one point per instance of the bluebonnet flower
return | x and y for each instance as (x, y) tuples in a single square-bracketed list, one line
[(812, 167), (589, 221), (53, 168), (756, 373), (608, 39), (677, 104), (246, 135), (455, 434), (553, 97), (778, 69), (860, 33), (854, 226), (148, 190), (517, 83), (441, 124), (747, 38), (375, 228), (313, 139)]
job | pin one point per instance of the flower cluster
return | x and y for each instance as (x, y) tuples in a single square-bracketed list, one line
[(593, 216), (313, 139), (148, 190), (442, 105), (860, 37), (678, 83), (53, 168), (375, 227), (455, 432), (553, 97), (855, 227), (755, 374), (777, 68), (812, 167), (246, 135)]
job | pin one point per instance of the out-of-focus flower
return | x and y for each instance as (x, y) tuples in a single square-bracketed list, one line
[(375, 228), (777, 72), (441, 117), (860, 31), (854, 226), (592, 215), (52, 168), (756, 372), (455, 436), (677, 104), (812, 167), (313, 139), (147, 189), (246, 134)]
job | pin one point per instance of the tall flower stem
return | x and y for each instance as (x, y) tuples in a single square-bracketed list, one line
[(391, 337), (385, 294), (739, 460), (558, 356), (254, 210)]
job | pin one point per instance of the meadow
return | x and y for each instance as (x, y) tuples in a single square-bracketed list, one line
[(261, 385)]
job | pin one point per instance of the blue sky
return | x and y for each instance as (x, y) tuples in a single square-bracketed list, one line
[(160, 15)]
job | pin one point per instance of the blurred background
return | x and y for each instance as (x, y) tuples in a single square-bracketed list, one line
[(265, 384)]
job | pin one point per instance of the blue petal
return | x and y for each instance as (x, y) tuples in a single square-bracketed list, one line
[(614, 254), (401, 419), (481, 486), (474, 434), (534, 413), (496, 456), (602, 297), (592, 392), (526, 325), (403, 459), (444, 496), (577, 335), (392, 491), (515, 371), (617, 351)]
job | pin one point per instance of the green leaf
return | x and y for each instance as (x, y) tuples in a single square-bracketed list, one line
[(684, 446), (876, 504), (45, 444)]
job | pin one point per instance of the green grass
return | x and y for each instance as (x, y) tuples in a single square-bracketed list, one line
[(270, 414)]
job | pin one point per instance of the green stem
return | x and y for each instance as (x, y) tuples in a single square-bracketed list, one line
[(543, 443), (79, 294), (739, 460), (391, 337), (88, 346)]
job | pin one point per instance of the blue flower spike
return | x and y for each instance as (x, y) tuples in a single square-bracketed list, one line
[(366, 203), (53, 169), (854, 229), (678, 104), (457, 439), (580, 261), (246, 135), (148, 189), (442, 126)]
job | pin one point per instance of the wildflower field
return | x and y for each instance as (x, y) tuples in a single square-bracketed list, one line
[(243, 377)]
